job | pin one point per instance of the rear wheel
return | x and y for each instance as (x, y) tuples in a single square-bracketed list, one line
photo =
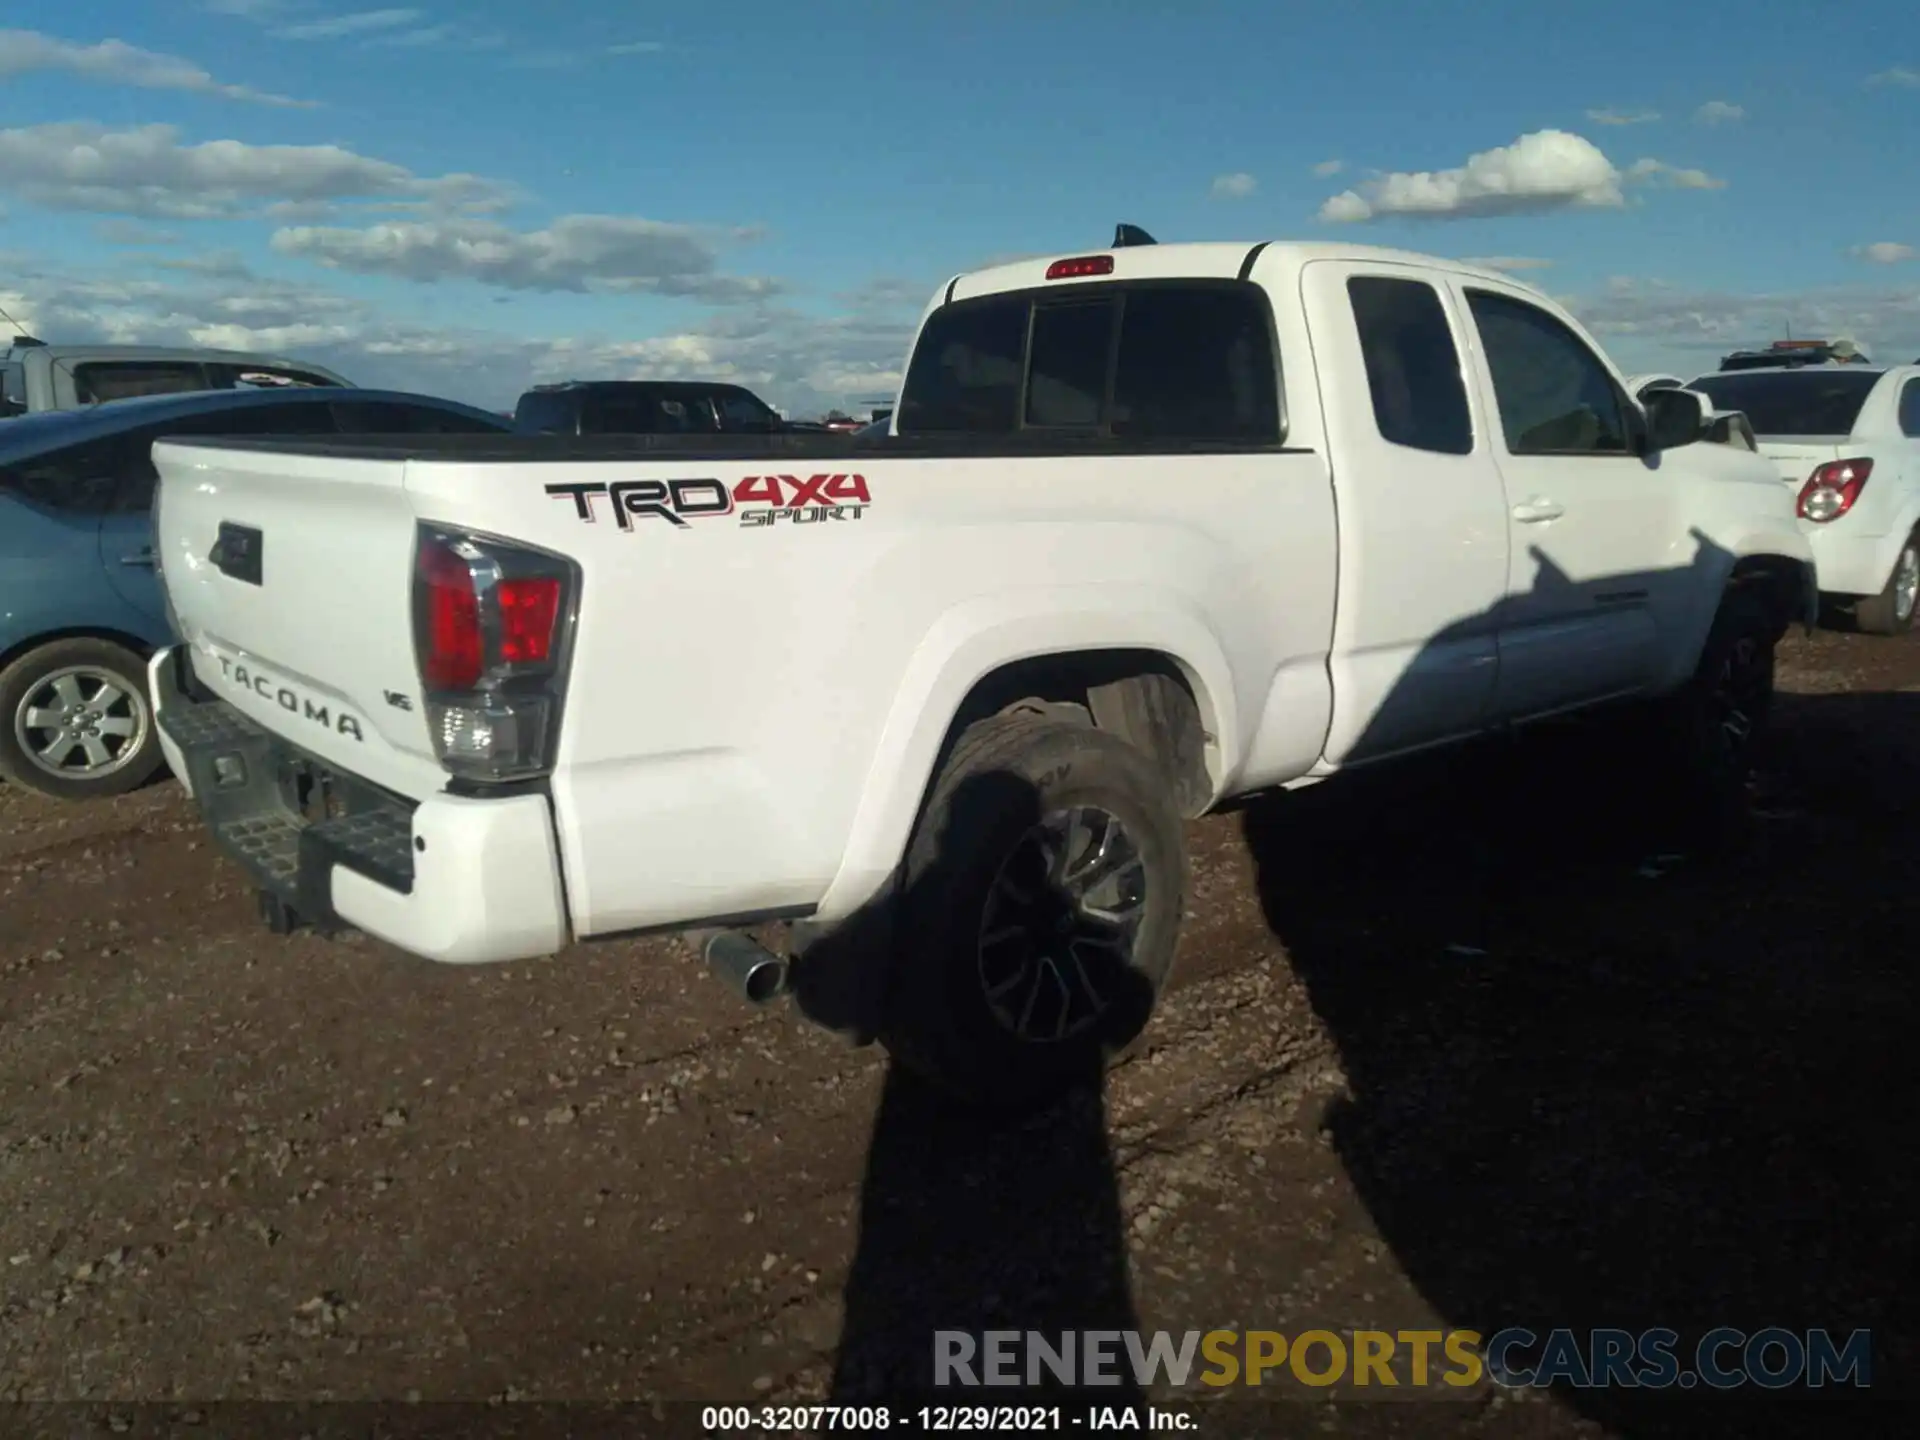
[(1891, 611), (75, 721), (1041, 911)]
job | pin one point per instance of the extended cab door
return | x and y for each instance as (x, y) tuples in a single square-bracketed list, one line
[(1423, 516), (1595, 560)]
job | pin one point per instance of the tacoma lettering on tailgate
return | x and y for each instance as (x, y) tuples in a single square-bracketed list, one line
[(289, 700), (759, 500)]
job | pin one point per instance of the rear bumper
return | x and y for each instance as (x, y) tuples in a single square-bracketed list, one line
[(1852, 564), (449, 878)]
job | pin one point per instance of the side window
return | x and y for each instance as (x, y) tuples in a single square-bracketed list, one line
[(430, 420), (79, 480), (966, 369), (1555, 396), (297, 418), (13, 389), (1196, 363), (1413, 367), (369, 417), (123, 379), (743, 412), (1067, 374), (1910, 409)]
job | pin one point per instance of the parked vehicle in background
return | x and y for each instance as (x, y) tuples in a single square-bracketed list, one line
[(649, 407), (37, 377), (80, 606), (1156, 527), (1795, 352), (1846, 438)]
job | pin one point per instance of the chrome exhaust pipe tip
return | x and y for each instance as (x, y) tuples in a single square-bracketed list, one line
[(754, 973)]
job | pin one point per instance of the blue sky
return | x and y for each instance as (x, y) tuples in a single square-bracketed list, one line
[(467, 198)]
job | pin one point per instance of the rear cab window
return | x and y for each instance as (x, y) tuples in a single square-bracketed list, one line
[(1793, 402), (98, 381), (1413, 366), (1172, 361), (265, 377)]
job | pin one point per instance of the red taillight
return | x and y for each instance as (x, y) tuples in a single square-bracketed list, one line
[(528, 610), (1832, 488), (454, 653), (1080, 266), (492, 621)]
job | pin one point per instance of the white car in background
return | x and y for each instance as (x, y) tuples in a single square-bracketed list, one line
[(1848, 437)]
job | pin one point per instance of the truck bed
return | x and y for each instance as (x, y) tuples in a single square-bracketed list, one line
[(574, 449)]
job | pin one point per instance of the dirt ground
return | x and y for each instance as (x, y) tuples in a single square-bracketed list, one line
[(1469, 1043)]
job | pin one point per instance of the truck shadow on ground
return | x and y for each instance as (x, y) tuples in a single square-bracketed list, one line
[(971, 1220), (1603, 1074)]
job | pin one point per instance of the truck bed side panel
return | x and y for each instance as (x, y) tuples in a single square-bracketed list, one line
[(735, 677)]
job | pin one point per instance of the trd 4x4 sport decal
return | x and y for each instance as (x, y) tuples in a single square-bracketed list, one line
[(759, 500)]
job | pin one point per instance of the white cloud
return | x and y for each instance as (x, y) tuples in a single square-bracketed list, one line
[(245, 9), (122, 232), (577, 253), (1695, 327), (359, 22), (1542, 171), (114, 62), (1328, 168), (1886, 252), (1901, 75), (1507, 262), (1673, 176), (148, 172), (637, 47), (803, 362), (1719, 112), (1623, 117), (1237, 186)]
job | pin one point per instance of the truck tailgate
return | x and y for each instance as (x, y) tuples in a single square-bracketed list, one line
[(290, 578)]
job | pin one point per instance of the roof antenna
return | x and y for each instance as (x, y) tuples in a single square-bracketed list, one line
[(1125, 235)]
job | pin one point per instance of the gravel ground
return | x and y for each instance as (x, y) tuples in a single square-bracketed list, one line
[(1467, 1044)]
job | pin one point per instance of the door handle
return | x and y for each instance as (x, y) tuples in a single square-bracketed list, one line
[(1537, 511), (143, 558)]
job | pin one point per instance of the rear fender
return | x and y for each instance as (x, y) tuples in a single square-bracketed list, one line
[(971, 641)]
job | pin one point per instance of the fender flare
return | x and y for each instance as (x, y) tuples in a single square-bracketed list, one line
[(970, 641)]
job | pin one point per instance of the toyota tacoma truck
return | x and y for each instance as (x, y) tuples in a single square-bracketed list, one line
[(1151, 528)]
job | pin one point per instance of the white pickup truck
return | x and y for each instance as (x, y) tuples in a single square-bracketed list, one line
[(1846, 439), (1153, 527)]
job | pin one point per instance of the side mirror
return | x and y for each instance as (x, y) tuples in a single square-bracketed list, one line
[(1674, 418)]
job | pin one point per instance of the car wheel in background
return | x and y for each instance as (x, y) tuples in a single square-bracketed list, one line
[(76, 722), (1891, 611)]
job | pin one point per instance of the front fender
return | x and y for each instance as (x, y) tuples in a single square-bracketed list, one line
[(972, 640), (1723, 554)]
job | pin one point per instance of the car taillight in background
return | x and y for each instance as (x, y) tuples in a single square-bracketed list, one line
[(493, 622), (1832, 488)]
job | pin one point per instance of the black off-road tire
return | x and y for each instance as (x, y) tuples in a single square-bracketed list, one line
[(1712, 724), (83, 657), (1880, 614), (1005, 775)]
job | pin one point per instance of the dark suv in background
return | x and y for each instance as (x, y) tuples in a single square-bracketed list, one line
[(649, 407)]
